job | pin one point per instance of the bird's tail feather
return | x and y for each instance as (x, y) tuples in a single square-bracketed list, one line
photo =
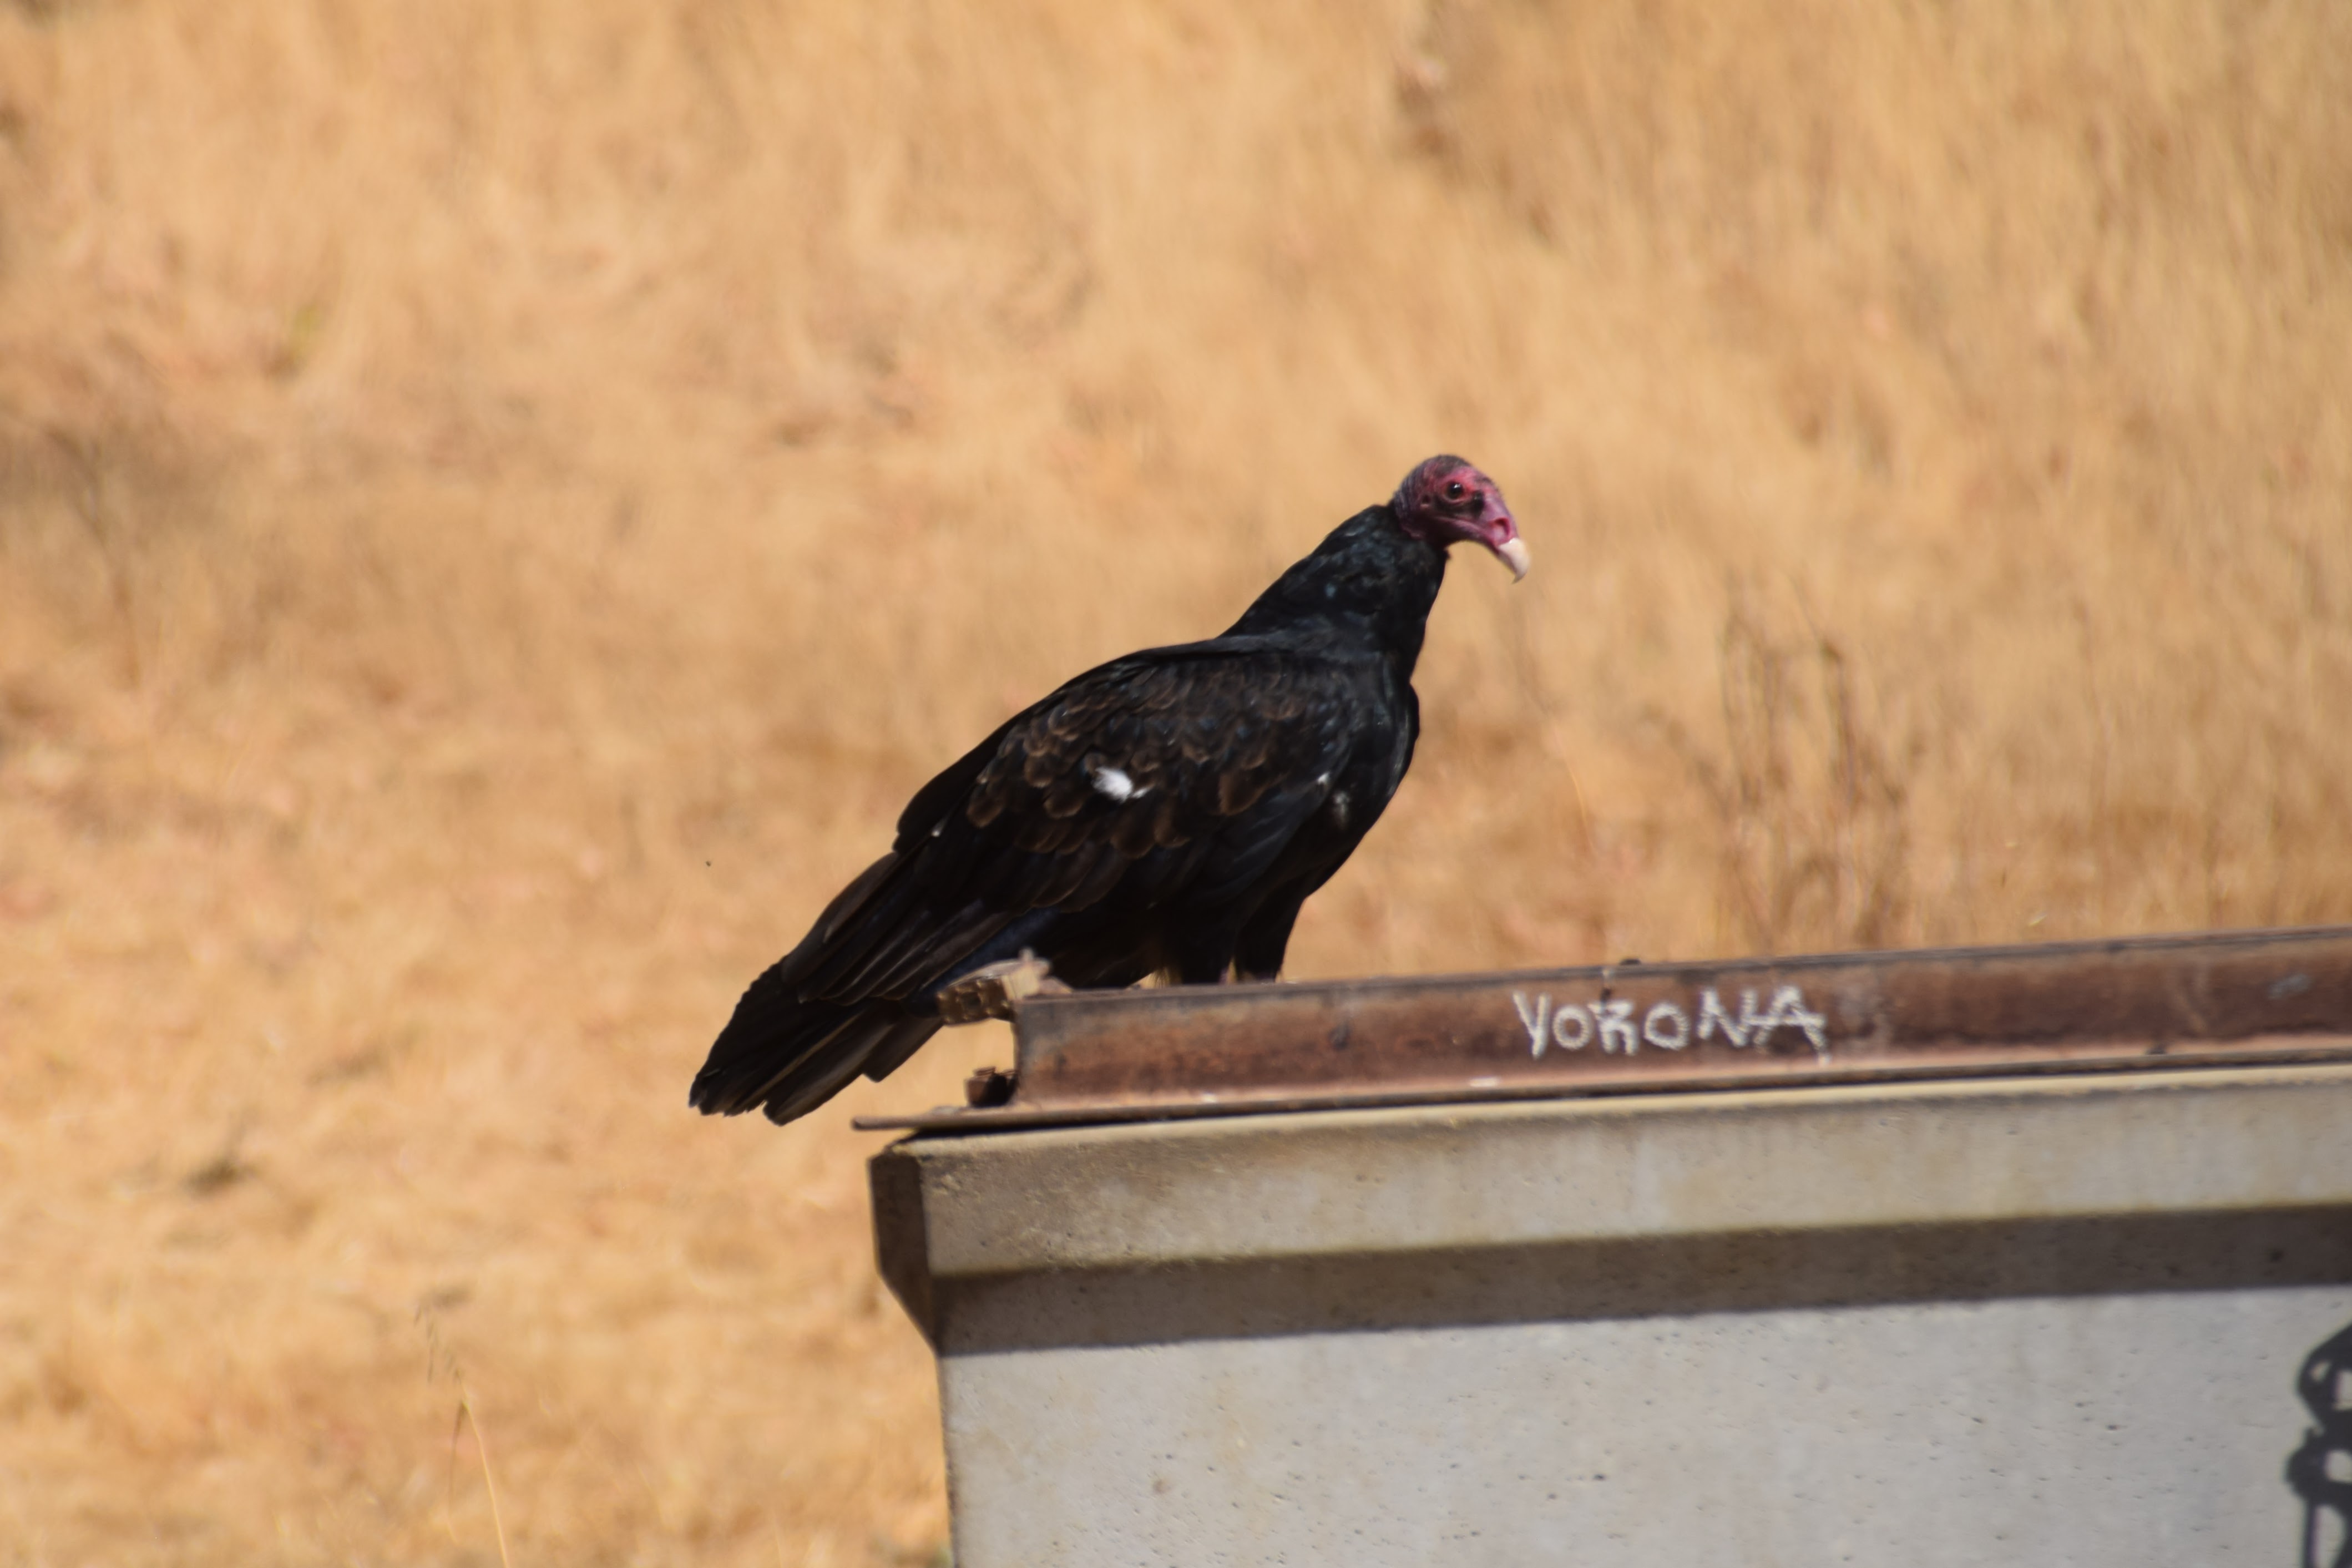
[(839, 1002), (870, 1044), (891, 1051), (788, 1056)]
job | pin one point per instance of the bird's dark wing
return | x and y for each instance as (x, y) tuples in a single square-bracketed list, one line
[(1167, 778), (1132, 821)]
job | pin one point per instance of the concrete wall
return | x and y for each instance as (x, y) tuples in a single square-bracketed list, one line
[(2055, 1321)]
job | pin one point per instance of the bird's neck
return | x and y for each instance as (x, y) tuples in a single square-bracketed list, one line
[(1368, 583)]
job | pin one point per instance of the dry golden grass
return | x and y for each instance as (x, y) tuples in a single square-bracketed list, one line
[(498, 504)]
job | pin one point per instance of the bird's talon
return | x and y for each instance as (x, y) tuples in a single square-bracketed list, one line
[(993, 990)]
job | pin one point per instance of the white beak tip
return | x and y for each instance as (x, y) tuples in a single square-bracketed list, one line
[(1514, 554)]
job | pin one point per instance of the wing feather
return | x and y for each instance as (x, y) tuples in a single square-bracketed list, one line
[(1164, 775)]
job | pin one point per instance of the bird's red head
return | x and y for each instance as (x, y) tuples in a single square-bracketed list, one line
[(1446, 501)]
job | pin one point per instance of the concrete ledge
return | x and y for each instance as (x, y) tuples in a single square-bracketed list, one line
[(1559, 1210)]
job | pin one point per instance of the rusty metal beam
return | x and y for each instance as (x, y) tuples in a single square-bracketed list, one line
[(2235, 998)]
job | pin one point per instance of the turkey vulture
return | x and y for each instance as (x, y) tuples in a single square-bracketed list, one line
[(1167, 812)]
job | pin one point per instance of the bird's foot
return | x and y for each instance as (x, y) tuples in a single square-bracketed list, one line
[(991, 991)]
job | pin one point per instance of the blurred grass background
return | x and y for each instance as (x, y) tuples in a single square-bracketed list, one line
[(500, 504)]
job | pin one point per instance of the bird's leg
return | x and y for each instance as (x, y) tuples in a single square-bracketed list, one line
[(991, 991)]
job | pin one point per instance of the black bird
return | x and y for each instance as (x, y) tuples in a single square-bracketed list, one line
[(1167, 812)]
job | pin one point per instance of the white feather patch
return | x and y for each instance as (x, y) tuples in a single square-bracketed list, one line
[(1115, 784)]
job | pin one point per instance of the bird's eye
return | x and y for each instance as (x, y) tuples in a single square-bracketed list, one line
[(1454, 491)]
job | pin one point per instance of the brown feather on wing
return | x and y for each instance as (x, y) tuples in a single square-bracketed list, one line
[(1153, 756), (1200, 766)]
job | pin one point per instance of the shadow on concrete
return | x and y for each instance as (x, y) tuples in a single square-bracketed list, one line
[(1644, 1276)]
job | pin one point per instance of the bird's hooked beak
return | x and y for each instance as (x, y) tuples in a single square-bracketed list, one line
[(1498, 533)]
